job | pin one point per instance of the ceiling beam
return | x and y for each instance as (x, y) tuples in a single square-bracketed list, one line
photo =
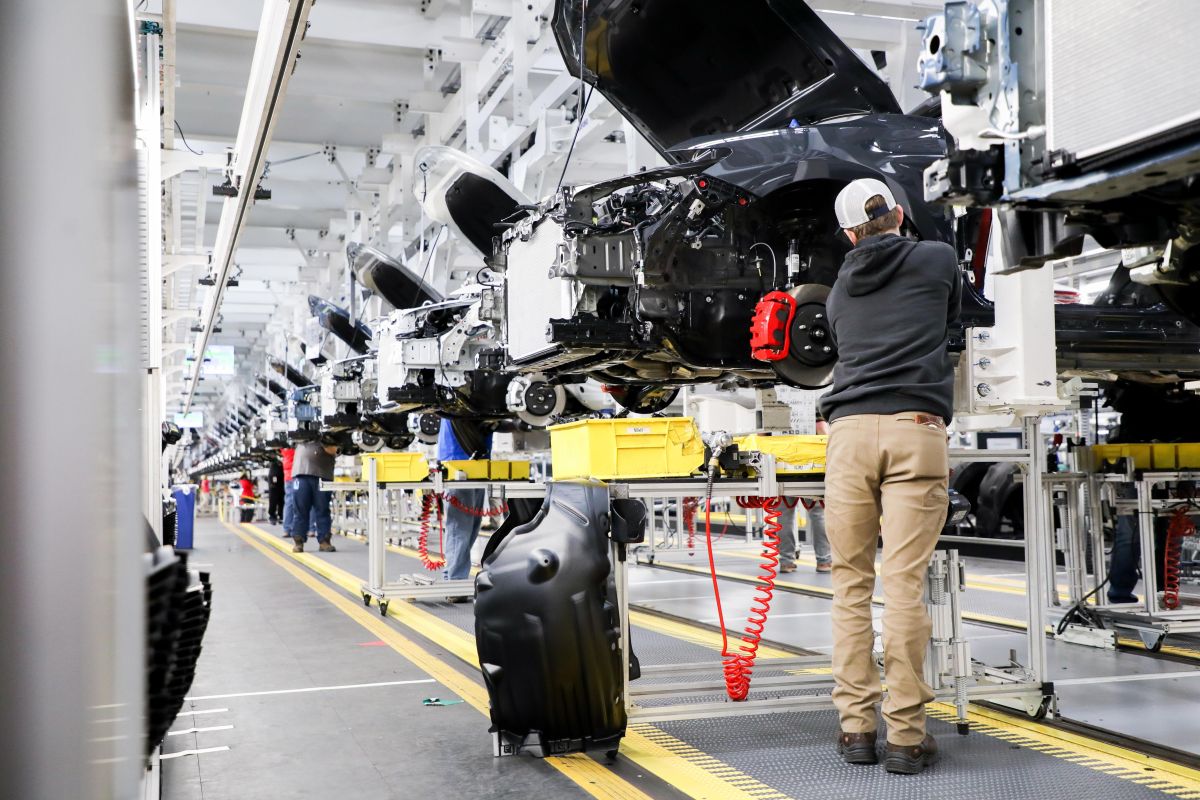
[(280, 32)]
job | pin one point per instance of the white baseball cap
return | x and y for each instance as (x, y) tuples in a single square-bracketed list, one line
[(851, 202)]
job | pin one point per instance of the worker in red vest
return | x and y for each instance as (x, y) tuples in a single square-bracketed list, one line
[(287, 455), (247, 498)]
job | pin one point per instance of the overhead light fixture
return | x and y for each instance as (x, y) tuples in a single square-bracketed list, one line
[(226, 189)]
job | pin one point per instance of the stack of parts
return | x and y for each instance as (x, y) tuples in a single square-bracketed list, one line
[(178, 605)]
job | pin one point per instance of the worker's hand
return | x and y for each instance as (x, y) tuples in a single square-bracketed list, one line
[(331, 449)]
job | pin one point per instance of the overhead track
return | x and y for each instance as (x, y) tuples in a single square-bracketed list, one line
[(280, 31)]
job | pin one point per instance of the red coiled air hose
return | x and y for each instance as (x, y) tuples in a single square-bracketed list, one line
[(476, 512), (1181, 526), (689, 522), (429, 501), (739, 667)]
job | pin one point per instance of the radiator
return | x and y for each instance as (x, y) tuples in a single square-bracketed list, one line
[(1119, 72)]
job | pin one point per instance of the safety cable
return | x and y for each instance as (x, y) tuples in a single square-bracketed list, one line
[(583, 101)]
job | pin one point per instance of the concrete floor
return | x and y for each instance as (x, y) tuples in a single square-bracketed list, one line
[(295, 698)]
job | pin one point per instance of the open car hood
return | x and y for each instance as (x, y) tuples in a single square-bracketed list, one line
[(682, 70), (464, 194)]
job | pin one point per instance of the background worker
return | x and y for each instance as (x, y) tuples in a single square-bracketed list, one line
[(890, 310), (814, 518), (787, 537), (313, 463), (205, 506), (247, 497), (814, 528), (275, 492), (462, 440), (287, 457)]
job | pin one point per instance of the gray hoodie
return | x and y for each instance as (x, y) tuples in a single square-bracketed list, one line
[(311, 459), (890, 310)]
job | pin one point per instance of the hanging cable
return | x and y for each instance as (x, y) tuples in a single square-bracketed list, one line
[(269, 164), (774, 261), (582, 103), (183, 137), (428, 261)]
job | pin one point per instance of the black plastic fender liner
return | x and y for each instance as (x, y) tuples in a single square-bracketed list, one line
[(547, 628), (521, 511)]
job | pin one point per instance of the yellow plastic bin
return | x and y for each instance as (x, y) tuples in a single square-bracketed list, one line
[(1164, 456), (1188, 456), (794, 455), (486, 470), (396, 467), (605, 449), (466, 470), (1140, 454)]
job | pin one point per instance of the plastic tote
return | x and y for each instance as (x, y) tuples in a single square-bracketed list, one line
[(185, 514), (641, 447)]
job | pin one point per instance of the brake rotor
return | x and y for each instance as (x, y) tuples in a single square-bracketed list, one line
[(427, 428), (542, 402), (812, 354)]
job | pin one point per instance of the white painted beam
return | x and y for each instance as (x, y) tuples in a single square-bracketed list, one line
[(280, 32)]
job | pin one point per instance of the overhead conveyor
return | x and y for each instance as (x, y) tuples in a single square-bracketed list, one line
[(280, 32)]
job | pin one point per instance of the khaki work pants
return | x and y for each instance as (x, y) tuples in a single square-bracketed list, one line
[(895, 467)]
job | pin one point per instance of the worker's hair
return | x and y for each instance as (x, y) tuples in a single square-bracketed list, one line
[(871, 227)]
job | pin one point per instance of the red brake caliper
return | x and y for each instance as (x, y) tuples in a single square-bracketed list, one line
[(771, 326)]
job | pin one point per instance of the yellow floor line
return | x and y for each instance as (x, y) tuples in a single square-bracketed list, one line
[(1166, 649), (585, 772), (664, 756), (702, 776), (1121, 762)]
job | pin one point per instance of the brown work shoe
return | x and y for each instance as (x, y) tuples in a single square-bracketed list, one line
[(327, 547), (858, 748), (788, 568), (298, 547), (824, 568), (910, 759)]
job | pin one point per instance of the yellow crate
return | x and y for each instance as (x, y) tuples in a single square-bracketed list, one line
[(1149, 456), (794, 455), (1140, 454), (1188, 456), (1164, 456), (511, 470), (652, 447), (487, 470), (465, 470), (397, 467)]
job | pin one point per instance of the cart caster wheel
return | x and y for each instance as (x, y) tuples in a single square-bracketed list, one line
[(366, 600), (611, 755), (383, 607), (964, 728), (1042, 710), (1152, 640)]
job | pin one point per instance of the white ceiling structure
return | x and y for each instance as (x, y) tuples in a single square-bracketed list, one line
[(376, 80)]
